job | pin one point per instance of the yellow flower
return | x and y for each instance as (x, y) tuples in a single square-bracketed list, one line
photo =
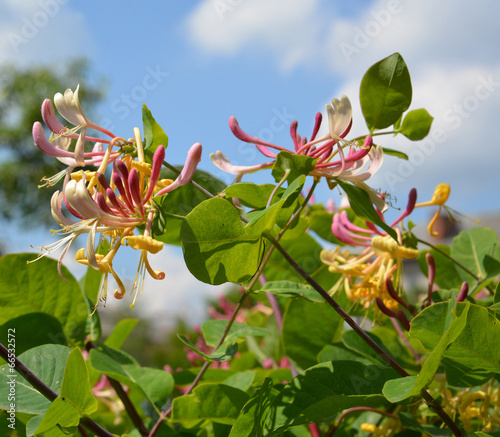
[(439, 198)]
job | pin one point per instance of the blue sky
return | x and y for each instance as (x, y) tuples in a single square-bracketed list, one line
[(268, 62)]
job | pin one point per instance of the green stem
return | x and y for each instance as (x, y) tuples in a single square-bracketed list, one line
[(205, 366), (362, 137), (193, 183), (283, 179), (442, 252), (384, 355), (129, 406), (46, 391)]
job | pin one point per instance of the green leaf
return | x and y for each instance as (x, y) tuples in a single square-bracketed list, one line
[(226, 355), (473, 248), (250, 194), (338, 351), (31, 330), (122, 330), (61, 412), (291, 290), (48, 363), (325, 389), (399, 389), (241, 380), (416, 124), (216, 402), (153, 133), (156, 385), (217, 247), (362, 206), (385, 92), (354, 342), (294, 165), (250, 421), (396, 153), (38, 288), (76, 399), (212, 331), (75, 386), (303, 336), (474, 353)]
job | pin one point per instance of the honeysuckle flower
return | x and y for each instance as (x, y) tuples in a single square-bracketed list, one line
[(112, 209), (328, 150), (58, 145), (364, 275), (439, 198), (474, 408)]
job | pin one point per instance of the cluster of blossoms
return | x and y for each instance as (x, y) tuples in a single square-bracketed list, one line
[(331, 161), (113, 208), (366, 275)]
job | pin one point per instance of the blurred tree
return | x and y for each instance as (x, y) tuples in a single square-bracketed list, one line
[(22, 165)]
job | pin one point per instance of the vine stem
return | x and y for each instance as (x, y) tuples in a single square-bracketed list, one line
[(129, 406), (205, 366), (442, 252), (334, 428), (193, 183), (385, 356), (46, 391)]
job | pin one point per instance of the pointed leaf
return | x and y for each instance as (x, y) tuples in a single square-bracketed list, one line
[(385, 92), (76, 386), (362, 206), (474, 352), (399, 389), (473, 248), (153, 132), (250, 421), (122, 330)]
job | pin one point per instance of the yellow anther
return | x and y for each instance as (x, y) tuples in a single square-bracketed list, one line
[(139, 242), (163, 183), (77, 175), (386, 247), (141, 167)]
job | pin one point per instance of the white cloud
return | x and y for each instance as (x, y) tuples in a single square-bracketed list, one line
[(451, 48), (41, 31), (282, 26)]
